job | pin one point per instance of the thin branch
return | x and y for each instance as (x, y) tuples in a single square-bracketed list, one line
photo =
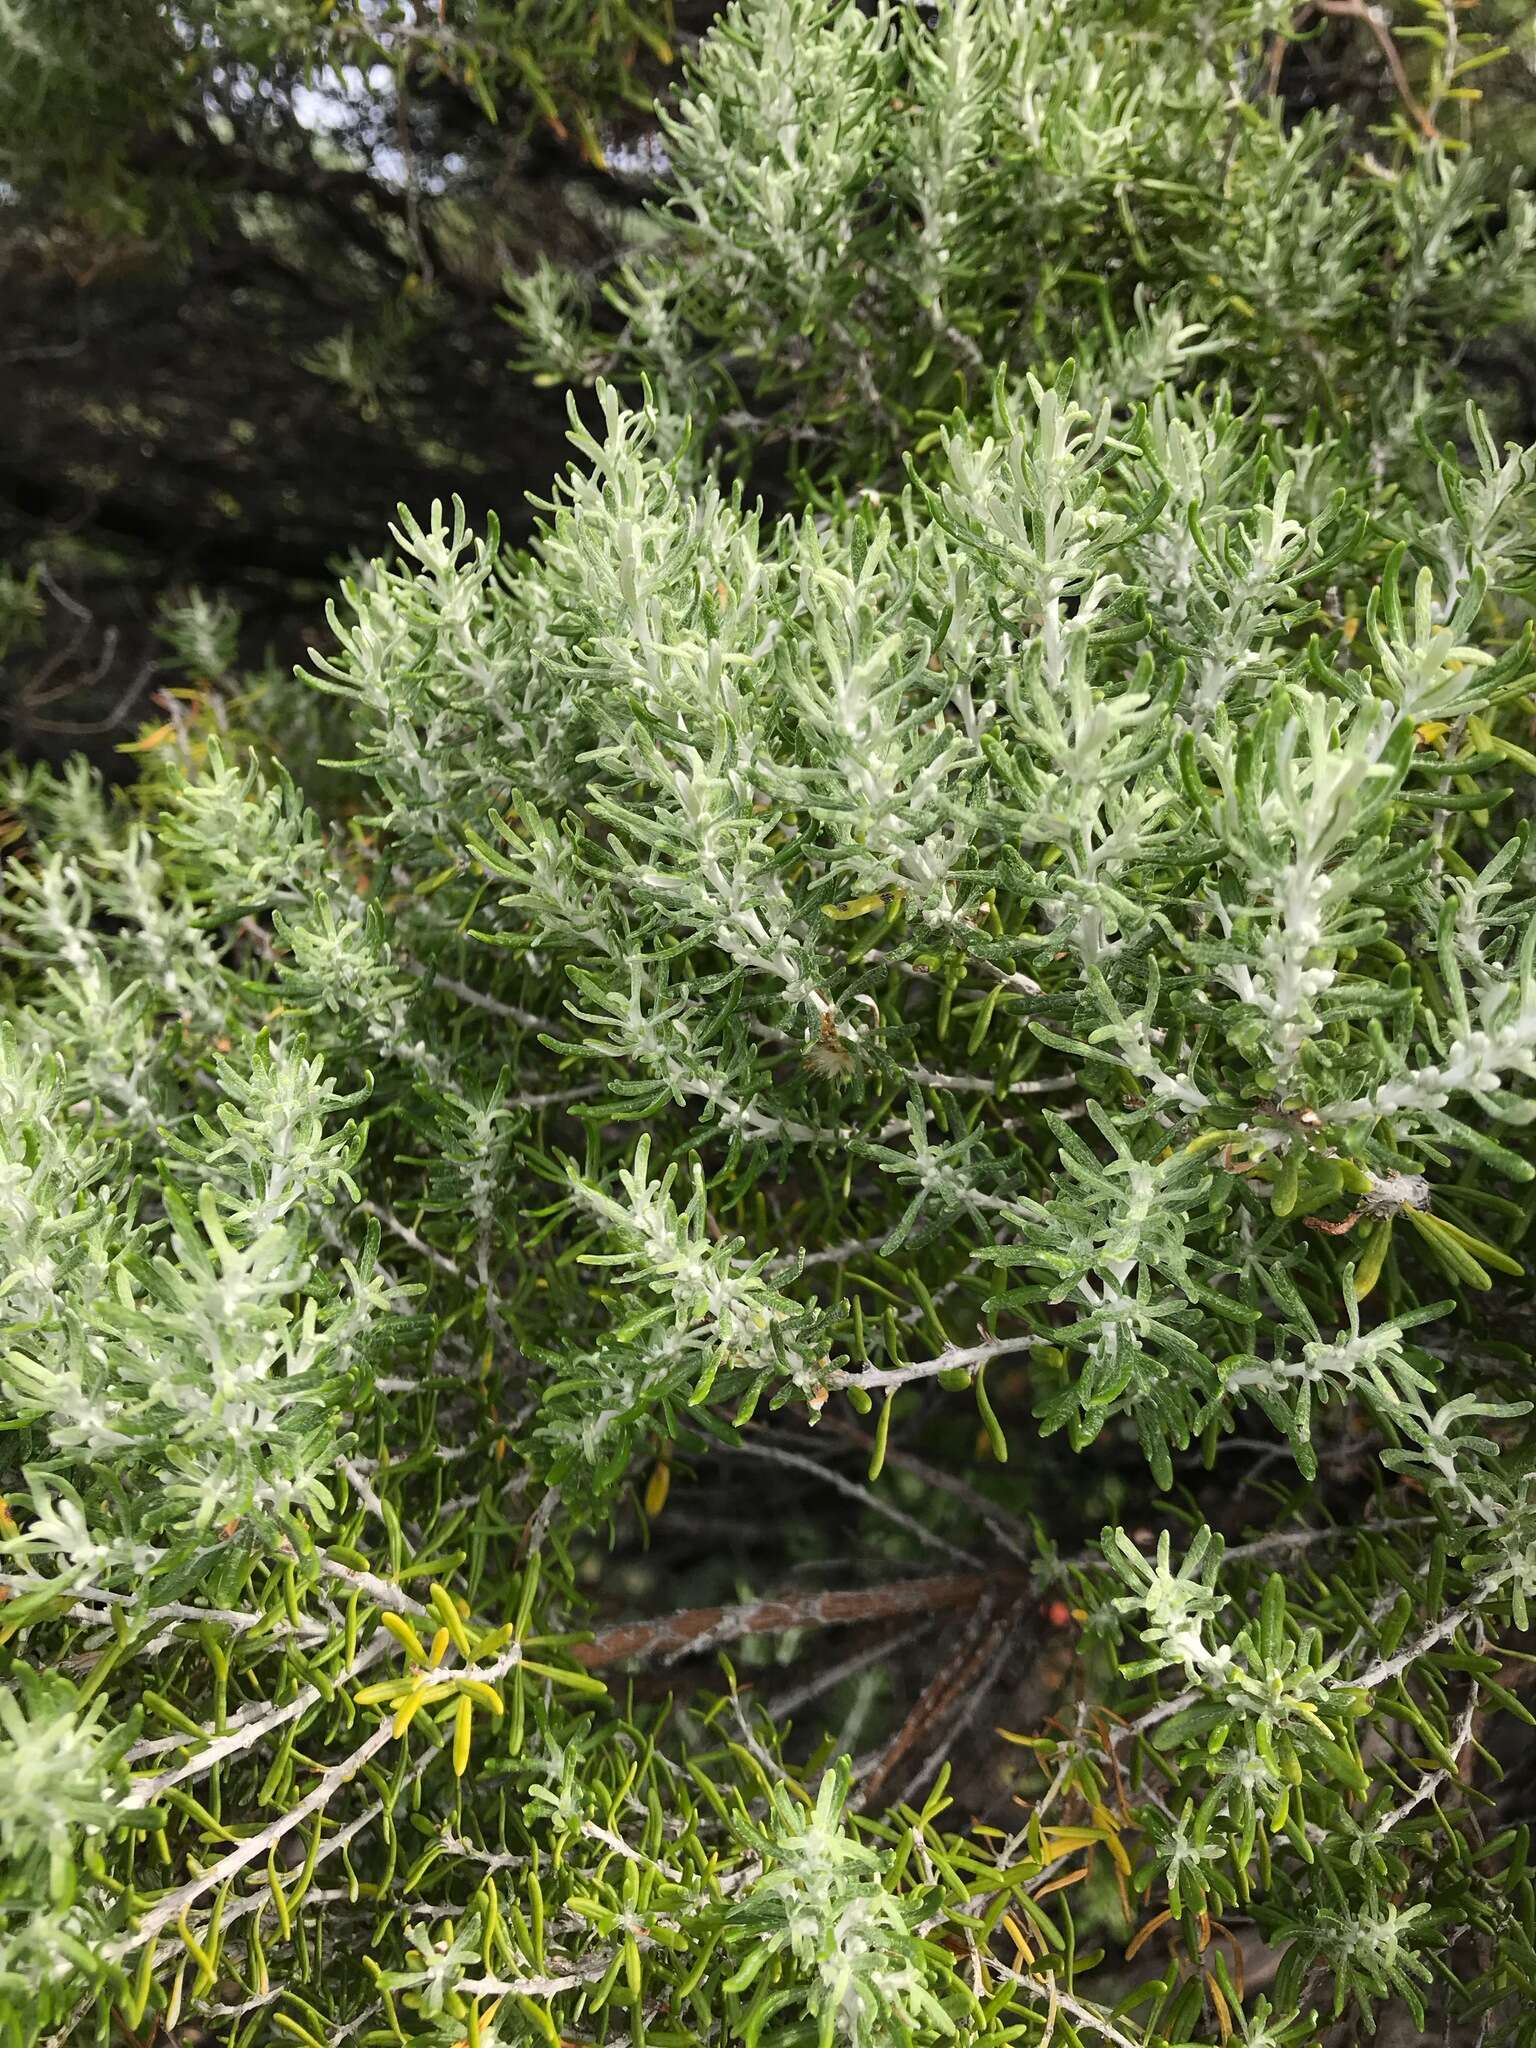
[(1051, 1993), (319, 1796), (982, 1084), (479, 1000), (258, 1845), (949, 1684), (976, 1694), (1388, 1668), (1015, 1536), (829, 1675), (1377, 22), (407, 1236), (243, 1734), (694, 1630), (969, 1358), (866, 1498)]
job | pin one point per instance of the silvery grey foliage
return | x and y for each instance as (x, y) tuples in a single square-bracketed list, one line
[(1058, 912)]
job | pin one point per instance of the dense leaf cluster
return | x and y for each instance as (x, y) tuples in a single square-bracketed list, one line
[(1043, 938), (869, 211)]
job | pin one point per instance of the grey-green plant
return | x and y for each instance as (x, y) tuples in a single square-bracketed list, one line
[(867, 211), (1040, 940)]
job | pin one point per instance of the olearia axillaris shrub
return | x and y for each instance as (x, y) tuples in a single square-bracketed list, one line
[(1062, 911), (869, 211)]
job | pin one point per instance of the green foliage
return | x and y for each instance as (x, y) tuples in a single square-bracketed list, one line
[(83, 92), (1067, 914), (868, 212)]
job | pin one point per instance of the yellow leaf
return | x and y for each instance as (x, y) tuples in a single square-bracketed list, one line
[(412, 1704), (1062, 1841), (386, 1689), (406, 1637), (857, 906), (452, 1620), (487, 1695), (1026, 1954), (1112, 1841), (156, 738)]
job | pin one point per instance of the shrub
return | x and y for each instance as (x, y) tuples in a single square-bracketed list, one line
[(1063, 917)]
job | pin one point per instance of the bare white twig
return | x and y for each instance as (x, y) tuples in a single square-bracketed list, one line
[(1049, 1992), (319, 1796), (255, 1846), (241, 1734), (967, 1358)]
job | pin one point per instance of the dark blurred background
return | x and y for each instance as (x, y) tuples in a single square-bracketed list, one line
[(251, 261)]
